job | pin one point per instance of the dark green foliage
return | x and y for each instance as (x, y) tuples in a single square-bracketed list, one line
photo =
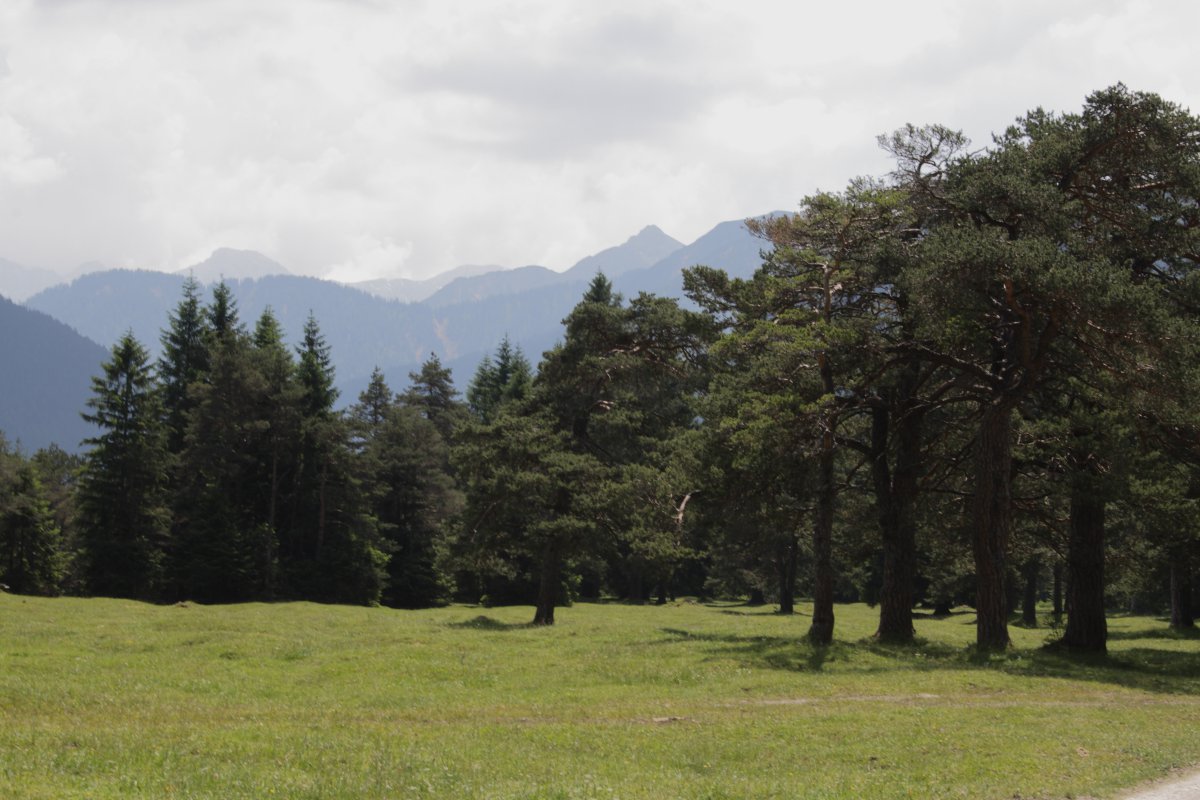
[(502, 379), (125, 521), (184, 361), (221, 546), (432, 393), (957, 383), (402, 468), (605, 407), (32, 558), (330, 550)]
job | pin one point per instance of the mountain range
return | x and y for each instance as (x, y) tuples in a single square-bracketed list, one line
[(461, 315), (47, 371)]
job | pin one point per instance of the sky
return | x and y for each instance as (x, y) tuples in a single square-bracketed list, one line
[(357, 139)]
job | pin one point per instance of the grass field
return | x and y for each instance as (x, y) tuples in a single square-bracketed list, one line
[(115, 699)]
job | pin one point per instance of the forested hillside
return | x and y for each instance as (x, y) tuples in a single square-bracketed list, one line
[(47, 368), (971, 381)]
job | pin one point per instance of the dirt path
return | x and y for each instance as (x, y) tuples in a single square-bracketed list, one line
[(1186, 787)]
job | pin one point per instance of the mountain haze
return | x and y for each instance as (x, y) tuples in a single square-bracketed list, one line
[(414, 291), (645, 248), (229, 264), (461, 322), (48, 369), (18, 282)]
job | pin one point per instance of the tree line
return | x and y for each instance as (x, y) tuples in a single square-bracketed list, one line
[(970, 381)]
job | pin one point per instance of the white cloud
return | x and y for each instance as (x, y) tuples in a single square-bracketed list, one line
[(356, 137), (20, 163), (372, 258)]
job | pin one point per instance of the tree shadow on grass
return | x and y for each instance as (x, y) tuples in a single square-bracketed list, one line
[(486, 623), (1145, 669), (1157, 633)]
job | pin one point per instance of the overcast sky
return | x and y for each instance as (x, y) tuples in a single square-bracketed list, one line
[(400, 138)]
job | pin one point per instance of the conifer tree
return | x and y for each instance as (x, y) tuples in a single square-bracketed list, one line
[(503, 378), (32, 558), (184, 360), (123, 495), (331, 550), (432, 393)]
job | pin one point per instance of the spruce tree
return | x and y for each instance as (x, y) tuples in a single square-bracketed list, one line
[(32, 558), (123, 494), (184, 360), (432, 393)]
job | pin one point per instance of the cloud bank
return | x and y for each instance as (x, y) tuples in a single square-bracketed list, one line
[(360, 139)]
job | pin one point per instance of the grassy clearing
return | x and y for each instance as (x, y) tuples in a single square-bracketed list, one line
[(108, 699)]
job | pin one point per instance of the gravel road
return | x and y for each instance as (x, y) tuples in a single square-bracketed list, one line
[(1186, 787)]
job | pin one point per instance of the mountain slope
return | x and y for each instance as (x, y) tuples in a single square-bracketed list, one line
[(461, 322), (103, 305), (644, 249), (18, 282), (414, 291), (728, 246), (47, 370), (228, 264)]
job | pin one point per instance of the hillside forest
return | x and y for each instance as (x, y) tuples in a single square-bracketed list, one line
[(972, 380)]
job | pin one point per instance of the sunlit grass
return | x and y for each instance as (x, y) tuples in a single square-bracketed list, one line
[(108, 699)]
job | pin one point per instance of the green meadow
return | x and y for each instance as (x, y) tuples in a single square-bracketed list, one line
[(117, 699)]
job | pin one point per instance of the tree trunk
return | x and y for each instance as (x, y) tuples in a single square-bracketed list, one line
[(1058, 593), (821, 629), (895, 497), (548, 588), (321, 509), (637, 588), (1087, 630), (757, 598), (786, 564), (992, 522), (1029, 600), (1182, 615)]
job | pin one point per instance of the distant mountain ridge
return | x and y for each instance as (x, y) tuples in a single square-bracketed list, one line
[(18, 282), (414, 291), (48, 369), (461, 321), (644, 249), (227, 263)]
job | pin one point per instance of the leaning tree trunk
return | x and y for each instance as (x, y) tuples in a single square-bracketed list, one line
[(549, 583), (1182, 614), (785, 563), (895, 497), (1087, 629), (992, 523)]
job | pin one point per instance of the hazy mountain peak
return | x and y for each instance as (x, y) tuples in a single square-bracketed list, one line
[(19, 282), (230, 264), (648, 246)]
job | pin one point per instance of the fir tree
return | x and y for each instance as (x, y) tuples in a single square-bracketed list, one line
[(123, 496)]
